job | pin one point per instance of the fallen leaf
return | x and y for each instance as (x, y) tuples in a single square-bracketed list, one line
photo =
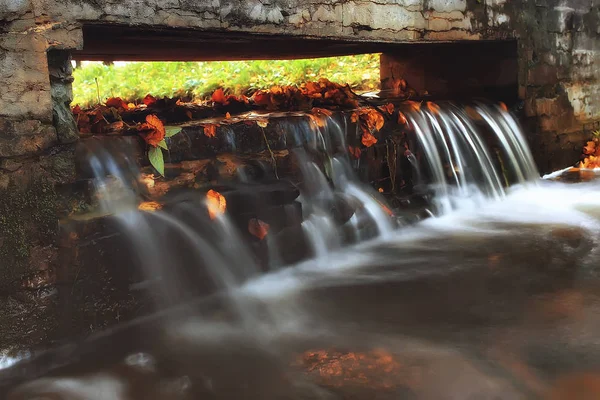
[(503, 106), (156, 130), (389, 108), (188, 113), (368, 140), (401, 118), (473, 114), (149, 206), (372, 118), (590, 148), (227, 115), (115, 127), (434, 108), (414, 105), (216, 203), (218, 97), (258, 228), (116, 102), (262, 123), (131, 106), (149, 100), (76, 110), (354, 117), (210, 130), (354, 151), (322, 111)]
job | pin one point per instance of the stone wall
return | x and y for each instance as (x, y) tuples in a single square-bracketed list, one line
[(558, 57)]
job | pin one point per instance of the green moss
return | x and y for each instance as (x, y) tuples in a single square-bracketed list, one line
[(27, 217)]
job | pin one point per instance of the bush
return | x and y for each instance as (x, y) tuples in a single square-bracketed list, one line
[(132, 81)]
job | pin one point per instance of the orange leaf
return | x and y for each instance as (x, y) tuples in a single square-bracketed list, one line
[(262, 123), (368, 140), (590, 148), (149, 206), (389, 108), (434, 108), (322, 111), (355, 151), (188, 113), (401, 118), (258, 228), (261, 98), (318, 120), (216, 203), (149, 100), (414, 105), (503, 106), (373, 119), (227, 115), (218, 96), (157, 130), (354, 117), (116, 102), (210, 130)]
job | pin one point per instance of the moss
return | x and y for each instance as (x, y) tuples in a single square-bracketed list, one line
[(27, 217)]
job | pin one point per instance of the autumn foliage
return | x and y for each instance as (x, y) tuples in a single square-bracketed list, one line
[(316, 99), (152, 131), (591, 152), (216, 203)]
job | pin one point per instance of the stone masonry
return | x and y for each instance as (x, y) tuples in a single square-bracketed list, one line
[(558, 57)]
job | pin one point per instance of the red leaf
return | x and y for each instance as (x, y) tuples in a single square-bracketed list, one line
[(210, 130), (149, 100), (116, 102), (368, 140), (258, 228), (218, 97)]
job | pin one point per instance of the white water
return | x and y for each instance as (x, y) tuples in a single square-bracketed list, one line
[(340, 297)]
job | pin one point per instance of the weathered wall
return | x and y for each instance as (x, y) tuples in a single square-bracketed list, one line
[(558, 60)]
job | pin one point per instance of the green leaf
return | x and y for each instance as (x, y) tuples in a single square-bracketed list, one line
[(155, 156), (172, 130), (163, 144)]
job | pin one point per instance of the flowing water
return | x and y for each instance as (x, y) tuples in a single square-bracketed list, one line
[(494, 297)]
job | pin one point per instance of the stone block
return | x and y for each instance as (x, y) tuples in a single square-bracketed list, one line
[(448, 5), (542, 74), (560, 20), (585, 99), (438, 24), (382, 16), (584, 41), (28, 144), (563, 42), (549, 107)]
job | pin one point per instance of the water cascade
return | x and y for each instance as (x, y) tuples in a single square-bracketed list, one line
[(456, 306)]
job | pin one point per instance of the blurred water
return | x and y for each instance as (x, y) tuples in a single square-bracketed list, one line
[(495, 297)]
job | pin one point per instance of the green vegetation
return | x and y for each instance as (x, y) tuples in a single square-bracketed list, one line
[(132, 81)]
